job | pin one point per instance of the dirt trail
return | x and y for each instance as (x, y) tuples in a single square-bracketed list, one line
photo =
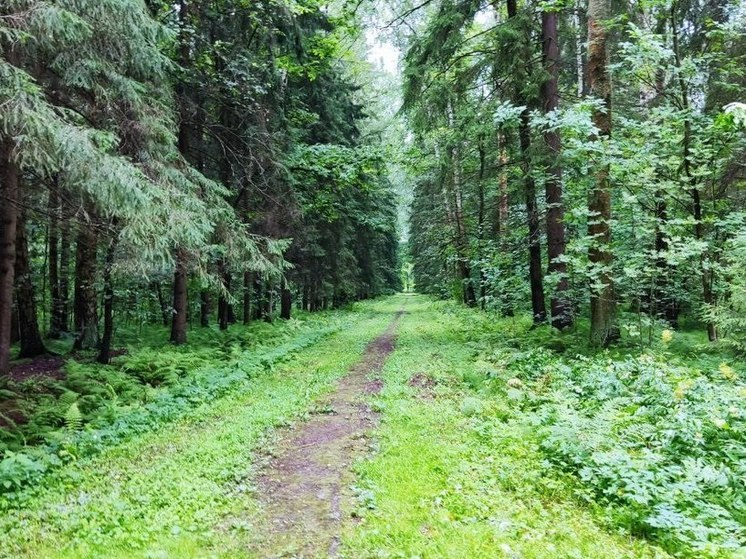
[(303, 487)]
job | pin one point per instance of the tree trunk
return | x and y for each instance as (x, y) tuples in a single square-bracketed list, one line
[(286, 302), (180, 295), (462, 241), (231, 309), (536, 280), (480, 228), (31, 342), (9, 194), (502, 202), (65, 273), (204, 308), (86, 316), (560, 308), (579, 22), (246, 297), (603, 299), (56, 325), (706, 267), (663, 304), (104, 354), (305, 297), (179, 317), (165, 318), (268, 303), (502, 213), (15, 330), (223, 308), (258, 307)]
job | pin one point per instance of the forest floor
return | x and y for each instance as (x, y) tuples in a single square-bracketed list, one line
[(377, 441), (305, 487)]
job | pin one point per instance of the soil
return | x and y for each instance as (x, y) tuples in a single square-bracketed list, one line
[(305, 487), (45, 366), (424, 384)]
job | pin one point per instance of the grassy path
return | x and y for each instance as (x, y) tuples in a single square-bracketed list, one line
[(449, 479), (169, 493), (446, 479), (304, 488)]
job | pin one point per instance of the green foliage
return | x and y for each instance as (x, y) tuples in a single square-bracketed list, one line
[(655, 438), (457, 471), (96, 405), (730, 315), (171, 477), (479, 155), (649, 441)]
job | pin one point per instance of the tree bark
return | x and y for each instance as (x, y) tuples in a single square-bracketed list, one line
[(180, 295), (536, 277), (603, 299), (461, 235), (65, 273), (503, 204), (104, 354), (28, 325), (481, 225), (223, 307), (9, 193), (268, 303), (258, 307), (305, 297), (560, 308), (55, 323), (179, 318), (706, 267), (86, 314), (286, 302), (204, 308), (15, 335), (536, 280)]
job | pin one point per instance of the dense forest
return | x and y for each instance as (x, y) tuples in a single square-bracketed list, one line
[(191, 162), (588, 159), (396, 278)]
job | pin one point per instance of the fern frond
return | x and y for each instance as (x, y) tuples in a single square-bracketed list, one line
[(73, 418)]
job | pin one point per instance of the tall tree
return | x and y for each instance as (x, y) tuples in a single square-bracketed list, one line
[(536, 278), (85, 295), (603, 298), (31, 342), (9, 176), (560, 306)]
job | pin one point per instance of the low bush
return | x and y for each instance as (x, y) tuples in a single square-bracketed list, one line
[(657, 440)]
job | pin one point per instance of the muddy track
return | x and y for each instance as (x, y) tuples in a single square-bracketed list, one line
[(303, 487)]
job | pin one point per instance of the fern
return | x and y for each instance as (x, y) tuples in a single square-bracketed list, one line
[(68, 398), (7, 394), (73, 418)]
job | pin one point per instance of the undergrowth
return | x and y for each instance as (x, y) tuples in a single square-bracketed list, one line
[(183, 488), (94, 406), (649, 437)]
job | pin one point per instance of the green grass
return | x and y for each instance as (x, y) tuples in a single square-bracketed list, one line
[(460, 472), (150, 367), (168, 493), (502, 448)]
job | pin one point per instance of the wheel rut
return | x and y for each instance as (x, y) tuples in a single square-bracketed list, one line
[(303, 486)]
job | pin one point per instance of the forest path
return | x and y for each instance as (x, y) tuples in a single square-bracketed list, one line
[(306, 479)]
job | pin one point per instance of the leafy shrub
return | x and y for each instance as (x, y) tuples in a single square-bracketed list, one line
[(662, 445)]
